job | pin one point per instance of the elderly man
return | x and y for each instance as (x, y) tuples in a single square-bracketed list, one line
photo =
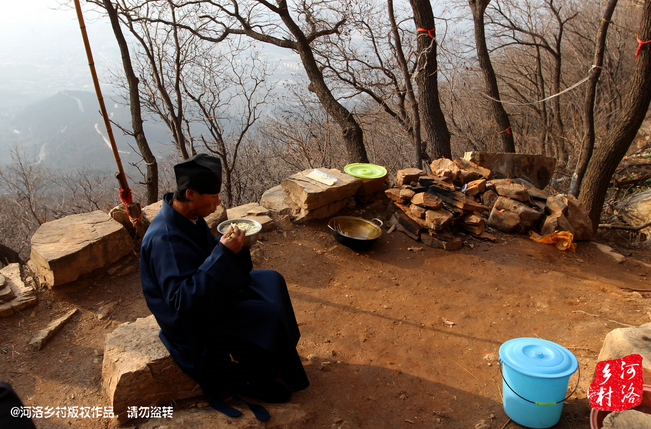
[(229, 328)]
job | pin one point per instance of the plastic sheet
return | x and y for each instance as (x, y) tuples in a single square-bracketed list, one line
[(561, 239)]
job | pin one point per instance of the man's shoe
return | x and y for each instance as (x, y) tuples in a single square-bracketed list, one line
[(268, 390)]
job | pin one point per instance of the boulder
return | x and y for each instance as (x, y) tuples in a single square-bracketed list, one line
[(567, 214), (324, 212), (215, 218), (489, 197), (277, 202), (64, 249), (408, 175), (252, 211), (309, 194), (395, 195), (622, 342), (636, 211), (139, 371), (536, 168), (20, 295), (509, 215)]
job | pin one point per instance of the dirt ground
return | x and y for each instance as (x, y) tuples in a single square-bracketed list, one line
[(376, 346)]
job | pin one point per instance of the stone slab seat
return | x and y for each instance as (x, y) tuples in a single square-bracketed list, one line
[(64, 249), (139, 371)]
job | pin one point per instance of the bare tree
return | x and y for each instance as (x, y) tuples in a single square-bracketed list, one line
[(438, 135), (274, 24), (608, 155), (151, 177), (588, 107), (478, 8)]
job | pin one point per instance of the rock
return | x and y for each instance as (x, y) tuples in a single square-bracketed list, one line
[(325, 211), (44, 336), (579, 219), (149, 212), (282, 416), (105, 310), (509, 215), (277, 202), (408, 175), (482, 424), (284, 222), (627, 419), (64, 249), (469, 171), (6, 293), (444, 167), (476, 187), (215, 218), (138, 370), (488, 198), (636, 211), (609, 251), (309, 194), (438, 219), (567, 214), (510, 189), (24, 295), (622, 342), (252, 211), (537, 169), (556, 222), (535, 193)]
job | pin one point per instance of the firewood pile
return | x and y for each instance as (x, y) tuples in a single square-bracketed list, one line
[(462, 198)]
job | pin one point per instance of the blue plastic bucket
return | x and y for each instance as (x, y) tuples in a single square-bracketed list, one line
[(535, 376)]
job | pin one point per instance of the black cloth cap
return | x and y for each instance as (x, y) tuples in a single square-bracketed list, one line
[(202, 172)]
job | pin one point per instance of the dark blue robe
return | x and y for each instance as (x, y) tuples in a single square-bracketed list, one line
[(211, 306)]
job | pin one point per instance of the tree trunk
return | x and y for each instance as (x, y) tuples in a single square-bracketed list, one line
[(415, 114), (151, 180), (350, 130), (436, 129), (588, 106), (499, 113), (607, 157)]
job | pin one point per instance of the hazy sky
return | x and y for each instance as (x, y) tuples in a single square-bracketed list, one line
[(41, 48)]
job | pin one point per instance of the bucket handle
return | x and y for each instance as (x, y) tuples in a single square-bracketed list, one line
[(543, 404)]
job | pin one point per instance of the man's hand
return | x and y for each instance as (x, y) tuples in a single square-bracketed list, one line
[(233, 239)]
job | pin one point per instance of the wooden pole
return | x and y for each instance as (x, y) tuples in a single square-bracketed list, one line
[(122, 179)]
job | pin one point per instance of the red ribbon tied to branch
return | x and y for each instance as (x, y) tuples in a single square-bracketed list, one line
[(430, 32), (639, 47), (507, 131)]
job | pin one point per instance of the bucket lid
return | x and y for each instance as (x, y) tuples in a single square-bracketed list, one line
[(366, 171), (539, 358)]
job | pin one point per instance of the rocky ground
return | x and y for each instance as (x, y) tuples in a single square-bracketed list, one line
[(398, 336)]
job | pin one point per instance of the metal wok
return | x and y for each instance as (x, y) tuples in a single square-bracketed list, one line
[(354, 232)]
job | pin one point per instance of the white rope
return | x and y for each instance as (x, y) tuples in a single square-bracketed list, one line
[(544, 99)]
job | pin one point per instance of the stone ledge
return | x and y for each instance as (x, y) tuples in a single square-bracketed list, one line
[(65, 249)]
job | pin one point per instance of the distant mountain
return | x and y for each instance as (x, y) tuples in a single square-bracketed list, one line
[(67, 131)]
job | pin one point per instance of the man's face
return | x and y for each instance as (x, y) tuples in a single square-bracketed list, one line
[(204, 204)]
